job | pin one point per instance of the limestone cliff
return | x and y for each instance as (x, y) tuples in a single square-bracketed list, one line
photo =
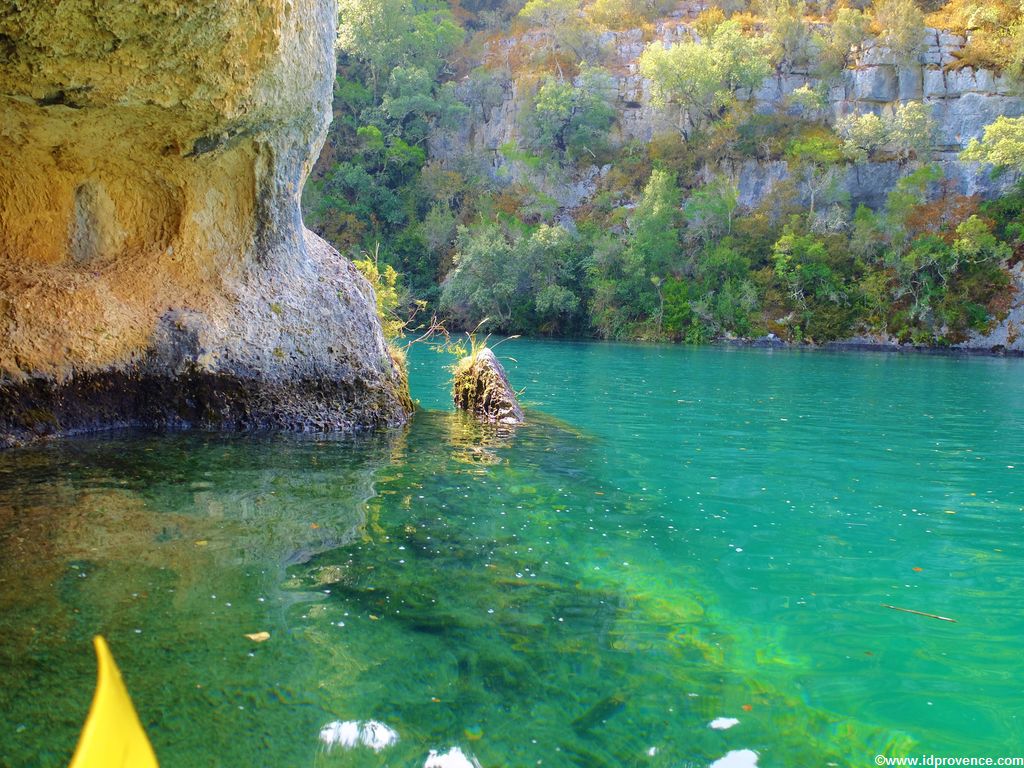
[(154, 267), (963, 102)]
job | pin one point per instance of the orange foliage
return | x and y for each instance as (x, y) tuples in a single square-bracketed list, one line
[(509, 201), (941, 216)]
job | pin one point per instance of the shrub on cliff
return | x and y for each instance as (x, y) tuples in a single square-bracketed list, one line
[(901, 27), (572, 119), (1001, 146), (700, 80)]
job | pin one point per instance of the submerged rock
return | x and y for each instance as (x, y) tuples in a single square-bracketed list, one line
[(154, 268), (481, 388)]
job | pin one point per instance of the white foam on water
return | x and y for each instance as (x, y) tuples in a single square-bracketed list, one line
[(737, 758), (377, 736), (351, 733), (723, 723), (340, 734), (453, 758)]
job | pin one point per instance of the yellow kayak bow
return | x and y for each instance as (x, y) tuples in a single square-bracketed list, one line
[(113, 736)]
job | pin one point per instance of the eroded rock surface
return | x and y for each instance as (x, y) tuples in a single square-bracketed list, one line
[(153, 264), (481, 387)]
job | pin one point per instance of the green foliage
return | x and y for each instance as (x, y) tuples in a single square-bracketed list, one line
[(384, 282), (701, 79), (863, 135), (911, 131), (788, 38), (975, 243), (807, 100), (390, 33), (567, 32), (907, 134), (710, 209), (1001, 146), (834, 44), (902, 24), (519, 280), (570, 119), (662, 250), (802, 262), (654, 225), (909, 193), (623, 14)]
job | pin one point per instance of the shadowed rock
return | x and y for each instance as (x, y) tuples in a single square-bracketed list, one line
[(482, 389)]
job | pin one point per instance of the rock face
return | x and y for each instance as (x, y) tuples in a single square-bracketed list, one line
[(963, 102), (482, 389), (154, 268)]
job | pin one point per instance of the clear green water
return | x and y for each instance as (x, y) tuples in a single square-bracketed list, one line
[(678, 535)]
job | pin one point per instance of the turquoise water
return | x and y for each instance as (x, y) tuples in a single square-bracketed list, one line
[(677, 535)]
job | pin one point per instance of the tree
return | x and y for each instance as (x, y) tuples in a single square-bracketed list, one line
[(521, 281), (701, 79), (389, 33), (909, 194), (867, 236), (653, 227), (911, 131), (802, 262), (622, 14), (482, 283), (709, 210), (546, 261), (975, 243), (863, 135), (816, 157), (573, 119), (806, 99), (788, 38), (563, 26), (386, 289), (1002, 145), (413, 100), (902, 24), (848, 28), (908, 133)]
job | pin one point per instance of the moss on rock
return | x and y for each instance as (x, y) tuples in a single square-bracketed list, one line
[(481, 388)]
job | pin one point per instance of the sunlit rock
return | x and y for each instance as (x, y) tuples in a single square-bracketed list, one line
[(154, 268), (481, 387)]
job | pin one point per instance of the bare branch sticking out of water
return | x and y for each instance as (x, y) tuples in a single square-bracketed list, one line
[(919, 613)]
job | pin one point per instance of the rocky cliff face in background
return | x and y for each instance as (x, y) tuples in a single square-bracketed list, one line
[(963, 102), (154, 267)]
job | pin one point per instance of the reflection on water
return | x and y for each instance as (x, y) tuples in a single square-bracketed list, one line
[(688, 569)]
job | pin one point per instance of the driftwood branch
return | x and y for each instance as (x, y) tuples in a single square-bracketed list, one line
[(919, 613)]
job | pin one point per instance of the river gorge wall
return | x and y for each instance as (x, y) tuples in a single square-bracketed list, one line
[(963, 100), (154, 268)]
